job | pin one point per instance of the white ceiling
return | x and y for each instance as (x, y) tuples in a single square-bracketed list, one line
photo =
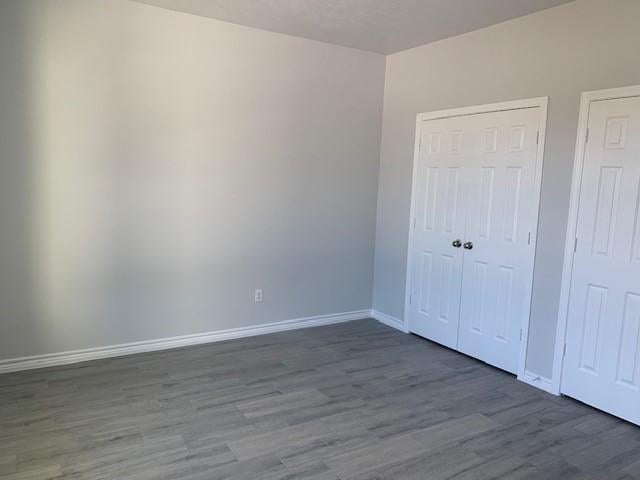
[(383, 26)]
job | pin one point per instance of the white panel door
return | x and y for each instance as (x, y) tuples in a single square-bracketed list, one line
[(602, 360), (501, 215), (439, 230)]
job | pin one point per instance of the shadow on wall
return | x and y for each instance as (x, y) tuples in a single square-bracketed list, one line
[(106, 242), (114, 203), (105, 212), (18, 173), (150, 182), (56, 128)]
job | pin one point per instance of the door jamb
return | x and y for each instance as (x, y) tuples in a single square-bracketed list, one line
[(539, 102), (574, 204)]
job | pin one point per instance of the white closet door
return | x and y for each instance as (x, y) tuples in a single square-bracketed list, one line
[(501, 210), (439, 222), (602, 362)]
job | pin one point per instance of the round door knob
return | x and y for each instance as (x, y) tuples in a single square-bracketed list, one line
[(468, 245), (457, 243)]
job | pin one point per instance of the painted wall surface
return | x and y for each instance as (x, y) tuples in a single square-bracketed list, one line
[(157, 167), (561, 52)]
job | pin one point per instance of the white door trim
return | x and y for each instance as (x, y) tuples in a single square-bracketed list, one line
[(540, 102), (574, 204)]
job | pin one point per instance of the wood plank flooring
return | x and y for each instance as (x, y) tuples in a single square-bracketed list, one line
[(352, 401)]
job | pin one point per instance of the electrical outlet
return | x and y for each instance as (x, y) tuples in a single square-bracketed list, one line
[(257, 296)]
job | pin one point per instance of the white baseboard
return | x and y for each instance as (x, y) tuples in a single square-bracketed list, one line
[(76, 356), (537, 381), (389, 321)]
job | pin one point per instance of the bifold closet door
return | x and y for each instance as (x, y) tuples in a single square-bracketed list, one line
[(474, 213), (439, 229), (602, 360), (500, 221)]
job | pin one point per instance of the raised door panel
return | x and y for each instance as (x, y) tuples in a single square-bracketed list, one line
[(591, 327), (628, 365)]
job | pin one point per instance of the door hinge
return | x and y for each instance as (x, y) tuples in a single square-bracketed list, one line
[(538, 138), (420, 144), (586, 138), (529, 239), (410, 297), (520, 334), (414, 223), (564, 350), (575, 245)]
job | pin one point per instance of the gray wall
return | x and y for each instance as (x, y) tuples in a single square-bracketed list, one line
[(157, 167), (585, 45)]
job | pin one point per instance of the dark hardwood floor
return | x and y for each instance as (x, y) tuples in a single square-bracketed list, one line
[(350, 401)]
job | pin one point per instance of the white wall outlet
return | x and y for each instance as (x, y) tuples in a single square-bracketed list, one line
[(257, 296)]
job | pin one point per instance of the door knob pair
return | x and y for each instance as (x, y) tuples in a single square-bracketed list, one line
[(458, 243)]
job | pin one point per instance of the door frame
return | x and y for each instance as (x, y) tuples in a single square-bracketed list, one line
[(538, 102), (572, 223)]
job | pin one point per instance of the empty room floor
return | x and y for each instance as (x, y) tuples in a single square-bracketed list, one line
[(356, 400)]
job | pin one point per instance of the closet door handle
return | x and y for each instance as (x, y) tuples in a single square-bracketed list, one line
[(457, 243), (468, 245)]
